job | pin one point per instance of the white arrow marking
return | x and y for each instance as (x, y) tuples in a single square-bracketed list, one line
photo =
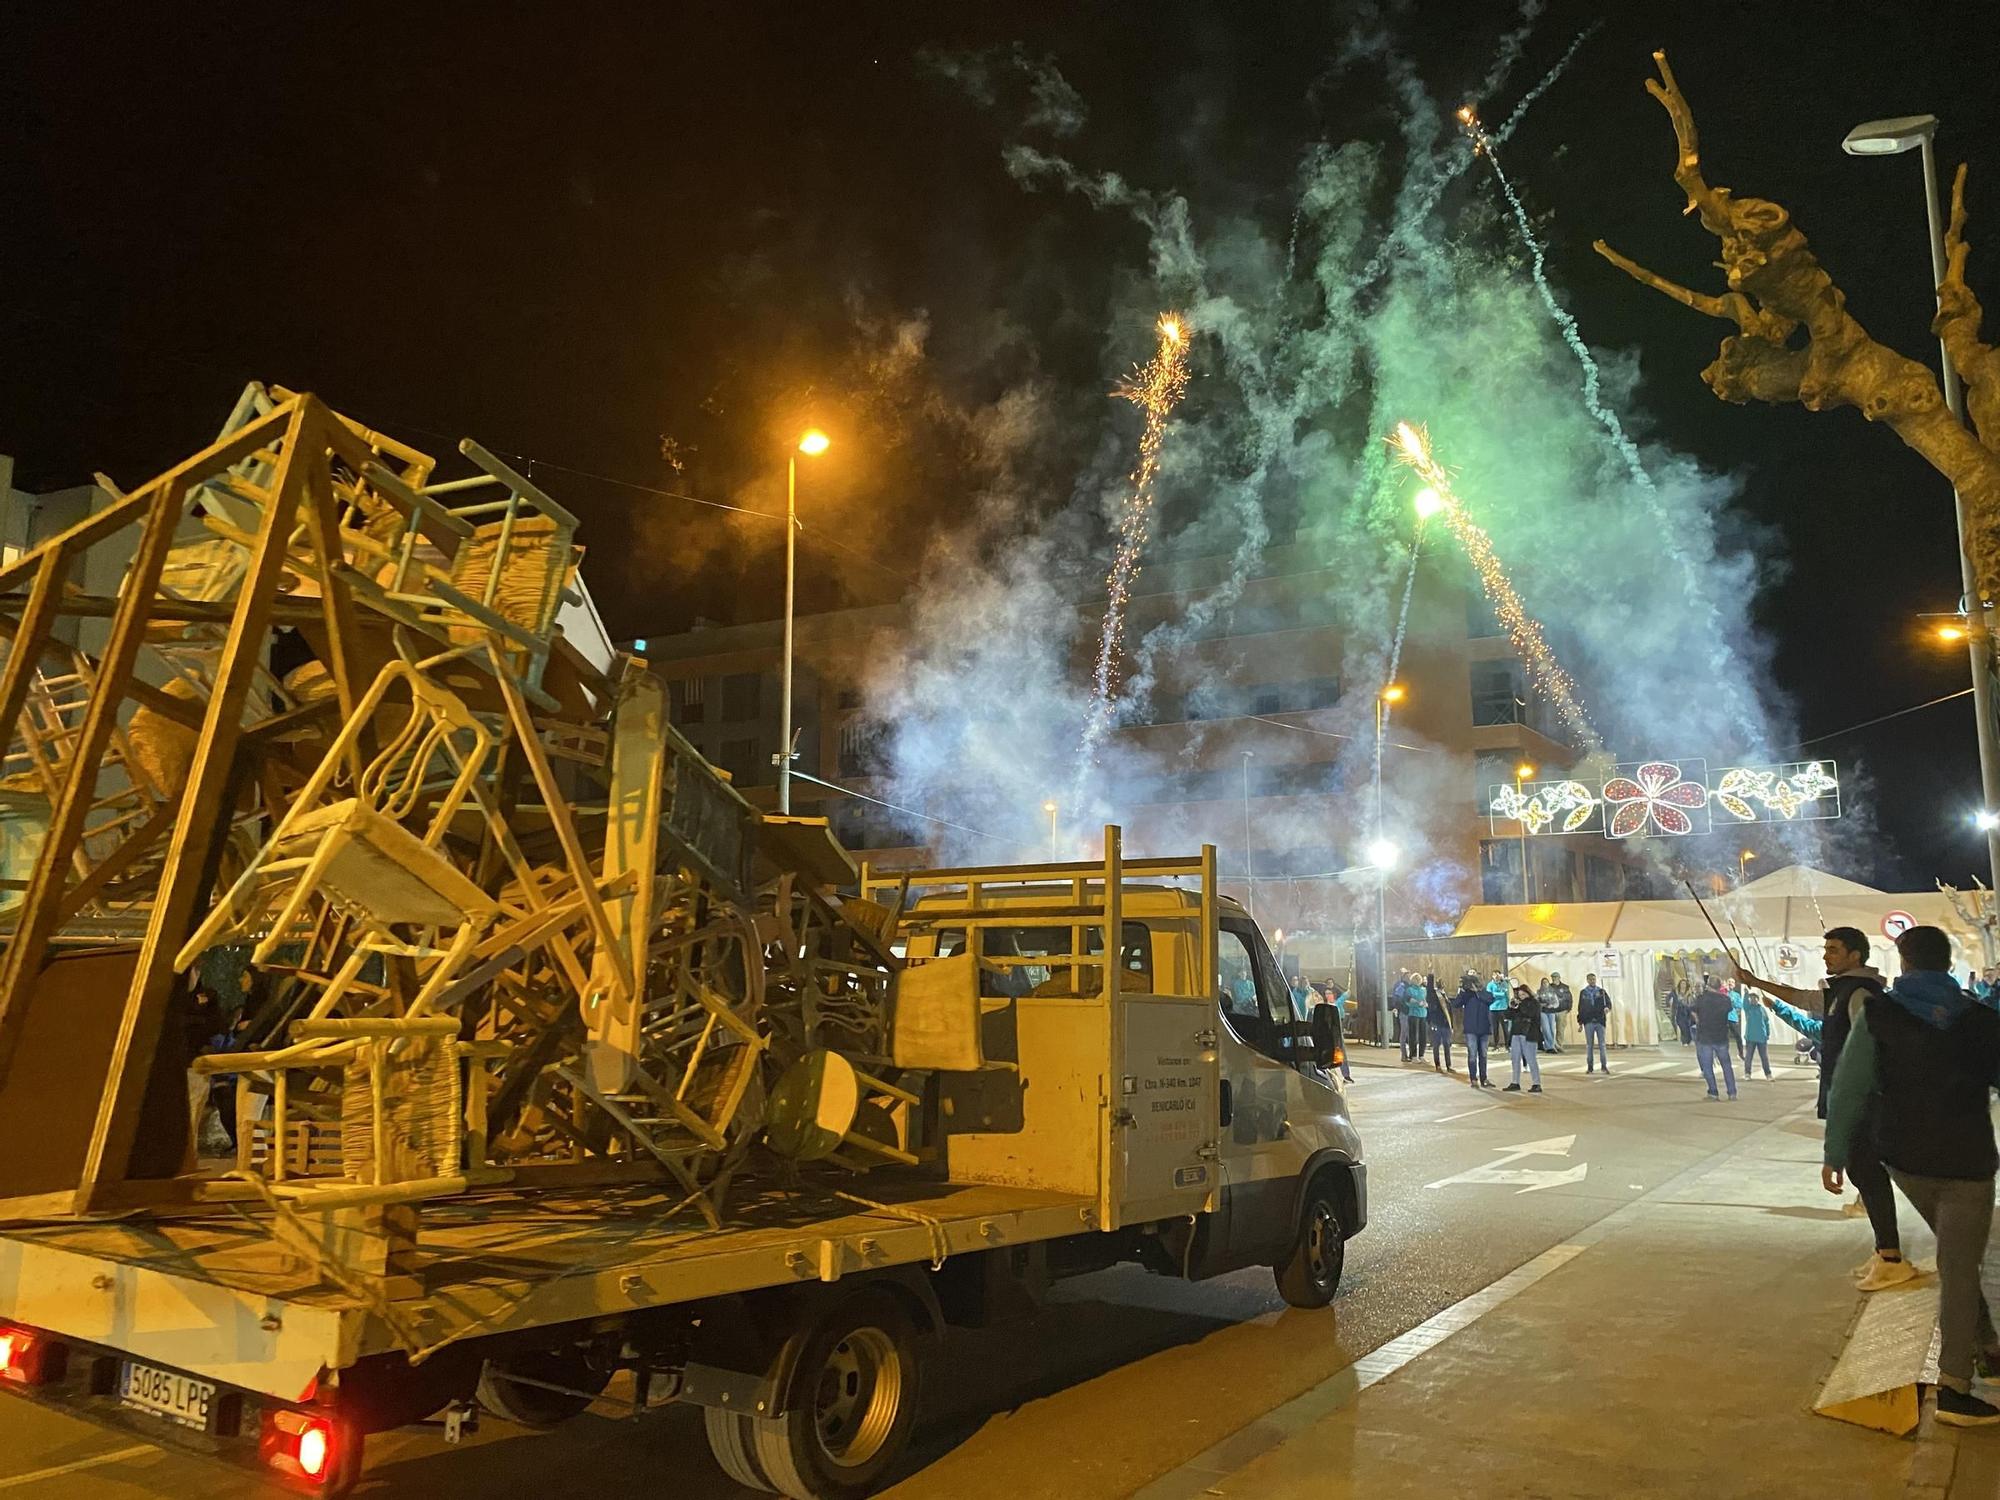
[(1503, 1173)]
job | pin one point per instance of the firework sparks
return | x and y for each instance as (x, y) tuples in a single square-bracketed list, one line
[(1437, 499), (1155, 388)]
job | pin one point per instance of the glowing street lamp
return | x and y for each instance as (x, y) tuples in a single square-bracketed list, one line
[(1951, 635), (1986, 820), (1049, 807), (1743, 865), (812, 442), (1382, 854)]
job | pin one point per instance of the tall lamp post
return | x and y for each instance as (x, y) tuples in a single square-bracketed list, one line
[(1743, 867), (1382, 856), (812, 442), (1055, 842), (1249, 860), (1521, 773), (1391, 693), (1893, 138)]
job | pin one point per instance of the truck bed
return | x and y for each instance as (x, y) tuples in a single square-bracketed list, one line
[(215, 1295)]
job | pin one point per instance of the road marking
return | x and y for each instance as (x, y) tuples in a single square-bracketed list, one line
[(1524, 1179), (117, 1455), (1202, 1474), (1466, 1116)]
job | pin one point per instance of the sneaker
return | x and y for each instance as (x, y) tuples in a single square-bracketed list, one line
[(1986, 1364), (1712, 1096), (1855, 1210), (1963, 1409), (1512, 1088), (1884, 1274), (1487, 1083), (1536, 1089), (1732, 1098)]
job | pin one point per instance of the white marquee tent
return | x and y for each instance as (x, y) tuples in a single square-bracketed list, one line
[(1636, 947)]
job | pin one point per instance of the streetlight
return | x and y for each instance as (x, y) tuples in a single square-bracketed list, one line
[(1951, 635), (812, 442), (1892, 138), (1049, 807), (1743, 865), (1521, 773)]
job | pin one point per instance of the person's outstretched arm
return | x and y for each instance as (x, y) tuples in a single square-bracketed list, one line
[(1798, 1020)]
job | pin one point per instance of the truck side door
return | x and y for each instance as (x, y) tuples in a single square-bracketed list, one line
[(1261, 1159)]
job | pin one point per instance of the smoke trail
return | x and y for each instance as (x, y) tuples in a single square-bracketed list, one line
[(1593, 379), (1513, 121), (1396, 646)]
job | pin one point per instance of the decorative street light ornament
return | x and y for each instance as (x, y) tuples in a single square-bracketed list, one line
[(1667, 798), (1546, 806), (1657, 798), (1799, 792)]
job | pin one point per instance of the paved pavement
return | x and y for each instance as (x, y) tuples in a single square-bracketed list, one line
[(1498, 1334)]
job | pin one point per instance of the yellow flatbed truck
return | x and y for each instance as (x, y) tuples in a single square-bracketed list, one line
[(1132, 1085)]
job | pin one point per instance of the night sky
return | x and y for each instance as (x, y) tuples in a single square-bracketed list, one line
[(634, 246)]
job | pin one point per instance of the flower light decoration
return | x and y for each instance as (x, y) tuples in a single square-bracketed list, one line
[(1656, 796), (1803, 790), (1546, 806)]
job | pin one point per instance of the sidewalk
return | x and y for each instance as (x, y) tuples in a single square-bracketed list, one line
[(1673, 1349)]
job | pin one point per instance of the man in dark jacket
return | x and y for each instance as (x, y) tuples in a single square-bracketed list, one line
[(1929, 1055), (1524, 1036), (1850, 981), (1711, 1034), (1476, 1024), (1593, 1009)]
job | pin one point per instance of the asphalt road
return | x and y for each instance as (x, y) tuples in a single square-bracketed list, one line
[(1126, 1375)]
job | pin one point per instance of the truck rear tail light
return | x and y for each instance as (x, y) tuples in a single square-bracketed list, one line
[(298, 1446), (28, 1357)]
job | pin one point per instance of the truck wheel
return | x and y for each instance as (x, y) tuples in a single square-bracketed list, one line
[(535, 1405), (853, 1404), (1311, 1274), (730, 1440)]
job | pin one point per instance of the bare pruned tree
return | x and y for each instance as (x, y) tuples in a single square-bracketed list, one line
[(1796, 340)]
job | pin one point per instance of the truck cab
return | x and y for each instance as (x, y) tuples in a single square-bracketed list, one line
[(1214, 1103)]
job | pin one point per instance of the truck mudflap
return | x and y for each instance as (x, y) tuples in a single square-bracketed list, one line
[(308, 1447)]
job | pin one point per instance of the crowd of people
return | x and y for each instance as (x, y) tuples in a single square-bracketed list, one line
[(1426, 1020)]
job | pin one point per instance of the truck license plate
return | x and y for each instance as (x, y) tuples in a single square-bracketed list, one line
[(178, 1398)]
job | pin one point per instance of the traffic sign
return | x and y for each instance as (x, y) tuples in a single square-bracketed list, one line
[(1896, 923)]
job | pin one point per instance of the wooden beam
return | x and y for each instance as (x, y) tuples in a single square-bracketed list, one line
[(209, 781), (36, 920)]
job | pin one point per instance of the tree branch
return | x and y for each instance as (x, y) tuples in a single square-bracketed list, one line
[(1957, 324), (1733, 306), (1778, 287)]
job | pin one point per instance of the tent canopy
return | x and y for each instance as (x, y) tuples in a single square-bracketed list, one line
[(1804, 880)]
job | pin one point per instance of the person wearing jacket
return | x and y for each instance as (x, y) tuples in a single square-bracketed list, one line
[(1930, 1054), (1593, 1010), (1849, 980), (1524, 1035), (1475, 1019), (1711, 1034), (1437, 1025), (1756, 1036)]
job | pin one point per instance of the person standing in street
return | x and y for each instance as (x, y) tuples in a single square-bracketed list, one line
[(1475, 1018), (1437, 1024), (1849, 981), (1711, 1034), (1524, 1035), (1930, 1054), (1593, 1011), (1756, 1036), (1683, 1018), (1332, 994)]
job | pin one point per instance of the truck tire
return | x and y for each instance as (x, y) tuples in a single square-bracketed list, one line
[(854, 1402), (730, 1440), (535, 1405), (1310, 1275)]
